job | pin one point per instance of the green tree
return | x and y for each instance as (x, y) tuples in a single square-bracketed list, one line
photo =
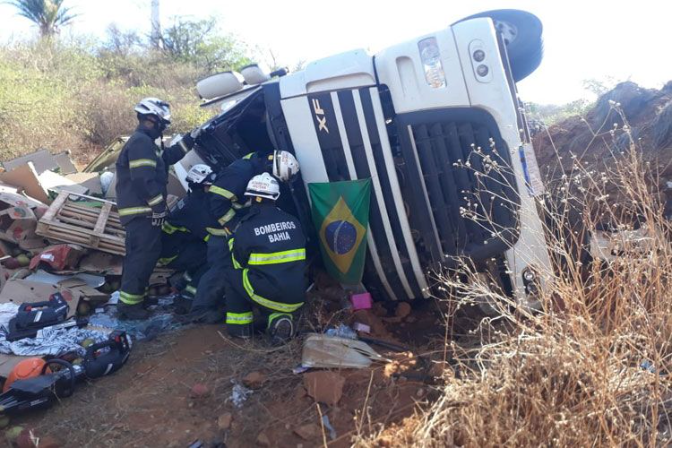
[(48, 15), (199, 42)]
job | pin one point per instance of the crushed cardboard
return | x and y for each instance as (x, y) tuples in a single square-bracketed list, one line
[(51, 181), (26, 178), (90, 181), (41, 159)]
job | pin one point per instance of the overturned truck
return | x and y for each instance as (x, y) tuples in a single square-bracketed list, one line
[(435, 122)]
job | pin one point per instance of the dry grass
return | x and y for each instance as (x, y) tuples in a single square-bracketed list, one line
[(593, 367)]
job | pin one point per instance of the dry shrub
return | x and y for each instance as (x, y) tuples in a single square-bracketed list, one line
[(592, 368)]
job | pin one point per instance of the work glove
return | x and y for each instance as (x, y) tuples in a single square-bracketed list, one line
[(158, 215)]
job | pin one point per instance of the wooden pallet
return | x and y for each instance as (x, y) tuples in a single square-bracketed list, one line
[(68, 220)]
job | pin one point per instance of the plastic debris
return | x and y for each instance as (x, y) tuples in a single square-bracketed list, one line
[(343, 331), (330, 428), (158, 323), (361, 301), (239, 394)]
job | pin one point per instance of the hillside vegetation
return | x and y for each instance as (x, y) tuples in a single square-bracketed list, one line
[(78, 95)]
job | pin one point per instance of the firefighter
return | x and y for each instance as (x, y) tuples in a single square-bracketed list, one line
[(142, 177), (227, 205), (268, 264), (184, 237)]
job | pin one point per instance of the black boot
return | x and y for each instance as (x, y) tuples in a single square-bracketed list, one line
[(281, 328), (132, 312), (182, 305)]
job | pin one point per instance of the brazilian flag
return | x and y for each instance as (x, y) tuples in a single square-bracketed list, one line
[(340, 213)]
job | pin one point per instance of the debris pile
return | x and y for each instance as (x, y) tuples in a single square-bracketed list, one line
[(61, 249)]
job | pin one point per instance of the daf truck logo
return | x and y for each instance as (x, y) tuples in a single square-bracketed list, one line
[(320, 116)]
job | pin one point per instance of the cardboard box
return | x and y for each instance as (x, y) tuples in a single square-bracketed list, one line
[(18, 224)]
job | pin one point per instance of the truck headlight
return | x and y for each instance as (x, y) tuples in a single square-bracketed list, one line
[(432, 62)]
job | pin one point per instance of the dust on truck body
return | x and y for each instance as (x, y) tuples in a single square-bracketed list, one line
[(435, 123)]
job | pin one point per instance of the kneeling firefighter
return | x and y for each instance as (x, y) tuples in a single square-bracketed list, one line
[(269, 263), (142, 177), (227, 205), (184, 237)]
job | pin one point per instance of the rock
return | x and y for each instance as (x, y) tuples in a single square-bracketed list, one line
[(49, 442), (254, 380), (199, 390), (224, 421), (402, 310), (26, 439), (263, 440), (308, 432), (325, 387)]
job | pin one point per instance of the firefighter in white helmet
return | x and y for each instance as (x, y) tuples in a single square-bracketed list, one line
[(142, 177), (228, 205), (269, 262)]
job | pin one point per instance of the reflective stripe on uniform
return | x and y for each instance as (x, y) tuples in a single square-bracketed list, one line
[(223, 192), (191, 290), (238, 206), (130, 299), (166, 261), (237, 265), (170, 229), (135, 210), (227, 217), (260, 259), (265, 302), (155, 200), (218, 231), (239, 318), (135, 163), (274, 316)]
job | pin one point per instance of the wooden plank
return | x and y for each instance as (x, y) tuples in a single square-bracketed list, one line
[(96, 228), (55, 206), (99, 229)]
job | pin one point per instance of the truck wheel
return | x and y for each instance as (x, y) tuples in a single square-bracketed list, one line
[(522, 33)]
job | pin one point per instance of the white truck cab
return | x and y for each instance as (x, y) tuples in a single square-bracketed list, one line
[(435, 123)]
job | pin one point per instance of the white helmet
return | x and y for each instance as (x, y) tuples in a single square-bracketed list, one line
[(285, 165), (198, 173), (263, 185), (155, 107)]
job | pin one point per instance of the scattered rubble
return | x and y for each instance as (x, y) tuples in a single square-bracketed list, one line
[(324, 387), (402, 310), (199, 390), (254, 380), (224, 421), (308, 432)]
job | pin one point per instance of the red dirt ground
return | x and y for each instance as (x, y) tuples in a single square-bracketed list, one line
[(148, 402)]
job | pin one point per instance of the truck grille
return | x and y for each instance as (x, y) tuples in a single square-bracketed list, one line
[(464, 169)]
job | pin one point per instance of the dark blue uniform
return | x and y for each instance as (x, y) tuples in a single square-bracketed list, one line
[(184, 237), (142, 177), (227, 204), (268, 267)]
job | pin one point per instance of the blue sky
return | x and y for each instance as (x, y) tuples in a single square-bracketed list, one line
[(583, 39)]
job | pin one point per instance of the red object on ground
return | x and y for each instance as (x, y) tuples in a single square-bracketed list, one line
[(28, 368), (59, 257)]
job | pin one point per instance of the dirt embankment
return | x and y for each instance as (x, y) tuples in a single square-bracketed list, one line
[(601, 134)]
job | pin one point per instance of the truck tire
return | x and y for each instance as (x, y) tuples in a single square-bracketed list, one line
[(522, 33)]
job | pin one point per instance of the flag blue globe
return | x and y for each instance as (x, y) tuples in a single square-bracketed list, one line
[(341, 236)]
